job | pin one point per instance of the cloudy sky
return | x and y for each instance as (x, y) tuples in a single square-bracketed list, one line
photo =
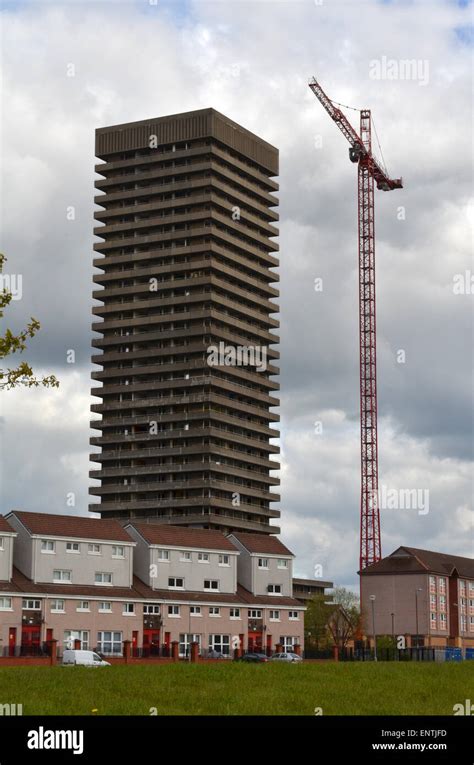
[(251, 61)]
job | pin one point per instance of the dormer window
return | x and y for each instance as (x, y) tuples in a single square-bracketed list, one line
[(274, 589)]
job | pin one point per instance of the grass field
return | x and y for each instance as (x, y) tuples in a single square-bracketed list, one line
[(238, 689)]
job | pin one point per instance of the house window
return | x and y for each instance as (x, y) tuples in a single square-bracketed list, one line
[(211, 584), (214, 611), (72, 547), (433, 602), (432, 584), (118, 551), (463, 623), (109, 642), (195, 610), (471, 624), (105, 607), (61, 575), (70, 637), (203, 557), (151, 608), (163, 555), (185, 557), (176, 583), (1, 543), (282, 563), (433, 619), (274, 589), (31, 605), (293, 615), (442, 621), (220, 643), (5, 604), (462, 587), (47, 546), (274, 616), (235, 613), (173, 611), (57, 605), (442, 585), (254, 614), (185, 641), (263, 562), (93, 549), (288, 643), (224, 560), (103, 577), (83, 606), (128, 608)]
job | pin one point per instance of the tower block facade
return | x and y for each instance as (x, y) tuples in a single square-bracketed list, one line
[(185, 324)]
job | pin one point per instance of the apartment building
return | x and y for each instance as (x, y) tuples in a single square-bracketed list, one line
[(186, 324), (100, 583), (305, 589), (426, 596)]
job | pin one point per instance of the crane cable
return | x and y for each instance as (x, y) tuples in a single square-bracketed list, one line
[(355, 109), (384, 166)]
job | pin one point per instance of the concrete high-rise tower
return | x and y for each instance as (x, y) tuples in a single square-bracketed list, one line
[(186, 323)]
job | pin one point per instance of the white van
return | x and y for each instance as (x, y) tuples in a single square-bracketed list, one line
[(84, 659)]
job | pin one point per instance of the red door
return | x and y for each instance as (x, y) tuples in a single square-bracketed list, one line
[(49, 637), (30, 640), (269, 645), (151, 642), (255, 642), (11, 641), (134, 642)]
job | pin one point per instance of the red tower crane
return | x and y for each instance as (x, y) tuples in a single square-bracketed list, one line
[(369, 170)]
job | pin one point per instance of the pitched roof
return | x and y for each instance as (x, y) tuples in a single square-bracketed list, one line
[(406, 560), (74, 526), (178, 536), (261, 543), (5, 526)]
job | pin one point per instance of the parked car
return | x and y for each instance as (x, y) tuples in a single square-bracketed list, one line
[(212, 654), (288, 657), (83, 658), (254, 658)]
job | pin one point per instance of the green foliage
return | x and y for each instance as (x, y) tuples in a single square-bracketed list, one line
[(10, 343)]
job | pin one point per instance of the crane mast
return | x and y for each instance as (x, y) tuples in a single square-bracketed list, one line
[(370, 172)]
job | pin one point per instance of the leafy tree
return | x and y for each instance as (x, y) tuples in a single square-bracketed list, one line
[(10, 343), (316, 622), (345, 619)]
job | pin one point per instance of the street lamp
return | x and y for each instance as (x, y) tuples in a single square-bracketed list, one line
[(372, 600), (418, 589)]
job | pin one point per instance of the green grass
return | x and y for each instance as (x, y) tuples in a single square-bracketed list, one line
[(238, 689)]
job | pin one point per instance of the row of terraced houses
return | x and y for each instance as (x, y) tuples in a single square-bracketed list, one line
[(95, 581)]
